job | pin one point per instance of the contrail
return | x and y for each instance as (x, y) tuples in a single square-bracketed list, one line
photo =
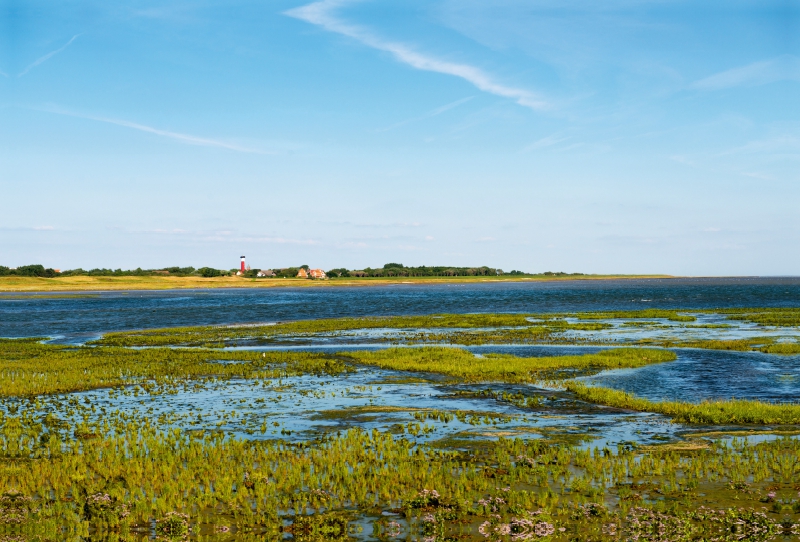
[(47, 56), (185, 138), (320, 14)]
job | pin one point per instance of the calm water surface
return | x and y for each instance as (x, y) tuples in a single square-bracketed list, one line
[(699, 375), (43, 315)]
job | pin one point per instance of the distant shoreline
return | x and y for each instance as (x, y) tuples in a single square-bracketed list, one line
[(99, 283)]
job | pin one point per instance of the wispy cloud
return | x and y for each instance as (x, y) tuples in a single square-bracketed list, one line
[(782, 68), (429, 114), (225, 235), (279, 240), (3, 74), (775, 145), (48, 56), (544, 142), (321, 14), (184, 138)]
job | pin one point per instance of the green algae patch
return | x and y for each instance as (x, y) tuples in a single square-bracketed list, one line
[(707, 412), (466, 366)]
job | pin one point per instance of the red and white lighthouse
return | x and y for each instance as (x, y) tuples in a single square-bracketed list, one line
[(242, 265)]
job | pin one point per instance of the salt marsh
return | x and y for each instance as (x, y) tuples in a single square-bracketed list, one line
[(435, 427)]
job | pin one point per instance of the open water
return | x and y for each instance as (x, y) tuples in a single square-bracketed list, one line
[(695, 376), (28, 315)]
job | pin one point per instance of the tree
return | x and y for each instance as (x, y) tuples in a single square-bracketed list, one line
[(209, 272)]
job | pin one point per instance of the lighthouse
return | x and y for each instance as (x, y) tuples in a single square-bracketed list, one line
[(242, 266)]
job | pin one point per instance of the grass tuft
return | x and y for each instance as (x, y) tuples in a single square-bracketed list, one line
[(464, 365), (707, 412)]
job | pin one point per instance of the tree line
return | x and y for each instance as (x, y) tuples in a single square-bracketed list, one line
[(43, 272), (388, 270), (400, 270)]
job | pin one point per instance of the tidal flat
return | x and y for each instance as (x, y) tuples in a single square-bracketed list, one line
[(586, 425)]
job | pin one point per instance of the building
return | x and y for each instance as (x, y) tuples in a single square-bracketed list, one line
[(317, 274), (266, 273), (302, 274)]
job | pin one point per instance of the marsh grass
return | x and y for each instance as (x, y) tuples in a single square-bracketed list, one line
[(469, 330), (764, 344), (779, 317), (730, 412), (737, 345), (133, 472), (133, 476), (28, 367), (668, 314), (219, 335), (464, 365), (785, 348)]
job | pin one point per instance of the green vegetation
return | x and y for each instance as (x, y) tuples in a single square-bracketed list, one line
[(458, 329), (71, 469), (218, 335), (388, 270), (780, 317), (29, 368), (399, 270), (117, 479), (176, 271), (739, 345), (139, 272), (673, 315), (766, 345), (27, 271), (781, 348), (210, 272), (106, 279), (709, 412), (465, 366)]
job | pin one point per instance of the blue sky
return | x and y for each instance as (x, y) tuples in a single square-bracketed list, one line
[(628, 137)]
